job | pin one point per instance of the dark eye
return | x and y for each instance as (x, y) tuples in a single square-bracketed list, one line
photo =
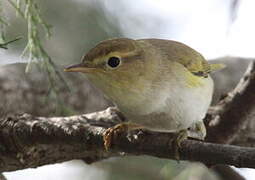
[(113, 62)]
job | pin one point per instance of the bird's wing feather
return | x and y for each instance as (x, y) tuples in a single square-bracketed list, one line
[(184, 55)]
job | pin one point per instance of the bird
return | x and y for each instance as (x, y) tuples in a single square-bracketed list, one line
[(157, 84)]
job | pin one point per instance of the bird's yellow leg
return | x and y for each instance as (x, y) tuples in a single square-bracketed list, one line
[(197, 131), (112, 132), (180, 136)]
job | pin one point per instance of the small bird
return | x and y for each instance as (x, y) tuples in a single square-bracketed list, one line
[(160, 85)]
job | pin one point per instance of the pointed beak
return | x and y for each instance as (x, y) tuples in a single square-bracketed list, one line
[(79, 68)]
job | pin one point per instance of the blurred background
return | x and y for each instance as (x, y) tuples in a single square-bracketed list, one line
[(215, 28)]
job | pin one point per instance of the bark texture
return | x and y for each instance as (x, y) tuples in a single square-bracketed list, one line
[(28, 141)]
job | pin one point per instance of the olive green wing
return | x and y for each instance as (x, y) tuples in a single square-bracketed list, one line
[(184, 55)]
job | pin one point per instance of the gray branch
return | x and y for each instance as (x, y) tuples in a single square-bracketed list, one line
[(28, 141), (234, 112)]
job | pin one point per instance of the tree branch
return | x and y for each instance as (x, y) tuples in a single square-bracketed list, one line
[(233, 112), (28, 141)]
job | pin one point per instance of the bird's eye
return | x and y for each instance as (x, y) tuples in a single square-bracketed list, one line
[(113, 62)]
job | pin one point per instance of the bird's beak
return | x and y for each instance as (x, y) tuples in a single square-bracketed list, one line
[(79, 68)]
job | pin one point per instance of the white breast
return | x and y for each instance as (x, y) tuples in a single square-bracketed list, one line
[(172, 109)]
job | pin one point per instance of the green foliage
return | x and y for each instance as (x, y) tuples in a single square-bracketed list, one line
[(34, 50), (28, 9)]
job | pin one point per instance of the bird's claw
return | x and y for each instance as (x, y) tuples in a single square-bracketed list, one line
[(112, 132)]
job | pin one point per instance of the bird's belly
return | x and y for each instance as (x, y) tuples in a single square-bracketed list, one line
[(179, 109), (164, 121)]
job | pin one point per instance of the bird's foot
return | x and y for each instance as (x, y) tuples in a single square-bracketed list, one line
[(180, 136), (112, 132), (196, 131)]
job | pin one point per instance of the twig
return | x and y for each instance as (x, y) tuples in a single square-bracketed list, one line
[(4, 45)]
